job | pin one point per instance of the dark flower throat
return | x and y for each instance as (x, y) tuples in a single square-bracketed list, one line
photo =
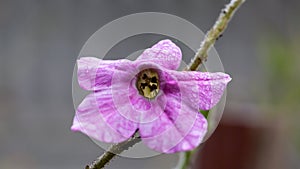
[(148, 83)]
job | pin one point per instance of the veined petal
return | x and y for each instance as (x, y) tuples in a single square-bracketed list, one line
[(193, 137), (208, 86), (98, 118), (180, 127), (169, 135), (96, 74), (165, 53), (139, 109), (134, 106)]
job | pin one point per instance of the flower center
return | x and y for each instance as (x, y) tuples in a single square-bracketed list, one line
[(148, 83)]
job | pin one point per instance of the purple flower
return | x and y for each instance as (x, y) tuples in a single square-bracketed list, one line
[(147, 95)]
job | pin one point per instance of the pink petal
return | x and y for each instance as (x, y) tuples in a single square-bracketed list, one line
[(165, 53), (180, 127), (98, 118), (96, 74), (209, 87), (170, 135), (134, 106)]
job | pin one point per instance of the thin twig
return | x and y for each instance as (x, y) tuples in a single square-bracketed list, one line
[(214, 33), (112, 152)]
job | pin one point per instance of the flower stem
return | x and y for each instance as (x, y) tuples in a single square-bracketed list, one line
[(210, 38), (184, 160), (112, 152), (214, 33)]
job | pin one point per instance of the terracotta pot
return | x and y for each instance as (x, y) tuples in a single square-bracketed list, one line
[(238, 145)]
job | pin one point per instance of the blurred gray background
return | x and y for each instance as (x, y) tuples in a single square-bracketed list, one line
[(40, 41)]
